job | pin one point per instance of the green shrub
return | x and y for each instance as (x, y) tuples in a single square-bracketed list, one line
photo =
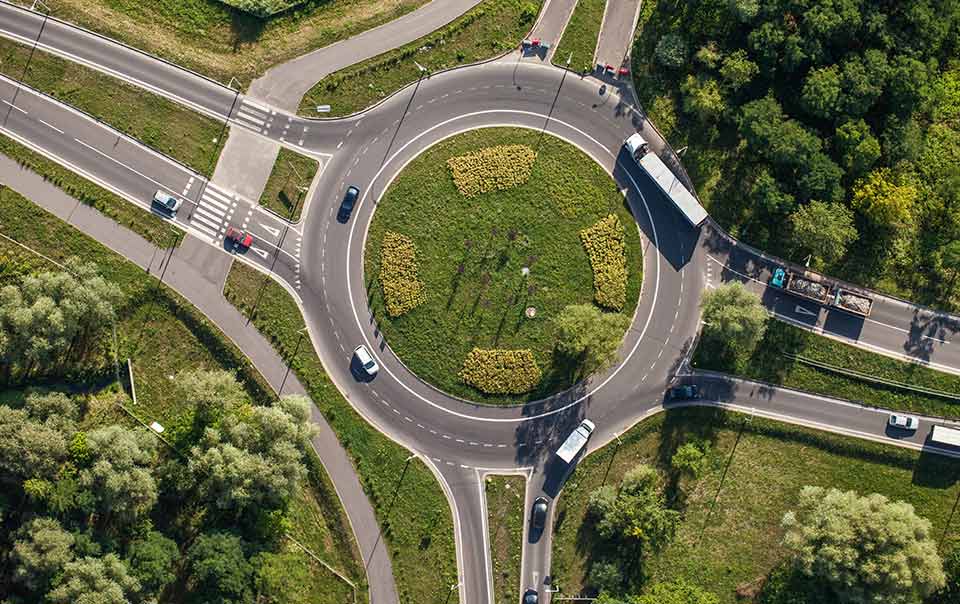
[(262, 8), (402, 288), (605, 245), (492, 169), (496, 371)]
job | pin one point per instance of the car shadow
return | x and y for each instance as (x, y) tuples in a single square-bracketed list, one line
[(358, 372)]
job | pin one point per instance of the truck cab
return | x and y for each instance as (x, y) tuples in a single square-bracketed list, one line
[(575, 442), (637, 146)]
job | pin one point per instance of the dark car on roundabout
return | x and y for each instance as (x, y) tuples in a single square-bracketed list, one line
[(346, 206), (538, 514), (530, 596), (686, 392)]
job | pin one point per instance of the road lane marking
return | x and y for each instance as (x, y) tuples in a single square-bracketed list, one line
[(49, 125), (12, 106)]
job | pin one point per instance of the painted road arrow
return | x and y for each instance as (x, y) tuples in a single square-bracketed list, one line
[(262, 253), (803, 311), (272, 230)]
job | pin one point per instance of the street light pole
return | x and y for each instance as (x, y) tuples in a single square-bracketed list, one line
[(296, 351), (555, 97), (423, 72)]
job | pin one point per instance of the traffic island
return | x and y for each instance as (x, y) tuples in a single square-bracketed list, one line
[(480, 247)]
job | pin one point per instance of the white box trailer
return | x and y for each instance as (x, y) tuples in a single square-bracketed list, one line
[(575, 442), (668, 182), (945, 436)]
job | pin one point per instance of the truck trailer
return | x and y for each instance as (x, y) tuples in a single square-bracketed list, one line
[(945, 436), (668, 182), (575, 442)]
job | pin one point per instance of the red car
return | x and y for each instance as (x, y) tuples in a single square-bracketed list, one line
[(239, 238), (623, 71)]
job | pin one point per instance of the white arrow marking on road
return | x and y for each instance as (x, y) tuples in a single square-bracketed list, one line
[(272, 230), (803, 311), (259, 251)]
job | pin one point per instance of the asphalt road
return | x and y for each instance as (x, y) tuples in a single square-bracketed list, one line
[(321, 261)]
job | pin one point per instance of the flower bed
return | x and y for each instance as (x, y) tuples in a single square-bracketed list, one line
[(402, 287), (604, 242), (492, 169), (497, 371)]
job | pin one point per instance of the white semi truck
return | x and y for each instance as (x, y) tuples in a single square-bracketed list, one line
[(945, 436), (662, 175), (575, 442)]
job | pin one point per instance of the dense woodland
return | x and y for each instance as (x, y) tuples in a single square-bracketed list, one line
[(820, 129)]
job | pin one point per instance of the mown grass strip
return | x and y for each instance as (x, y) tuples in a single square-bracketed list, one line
[(772, 362), (289, 180), (485, 31), (505, 517), (161, 124), (417, 525), (152, 228), (579, 39)]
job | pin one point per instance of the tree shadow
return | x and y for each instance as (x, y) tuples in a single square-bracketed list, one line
[(246, 28)]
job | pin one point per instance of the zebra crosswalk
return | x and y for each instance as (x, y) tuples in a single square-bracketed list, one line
[(255, 116), (213, 212)]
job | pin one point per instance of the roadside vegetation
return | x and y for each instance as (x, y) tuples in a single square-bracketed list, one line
[(579, 39), (289, 180), (223, 42), (90, 491), (490, 28), (484, 259), (720, 486), (185, 135), (838, 119), (409, 503), (505, 518)]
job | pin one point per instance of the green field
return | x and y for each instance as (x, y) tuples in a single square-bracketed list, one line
[(289, 180), (162, 334), (213, 39), (579, 39), (734, 543), (492, 27), (769, 363), (492, 237), (189, 137), (418, 528), (505, 517)]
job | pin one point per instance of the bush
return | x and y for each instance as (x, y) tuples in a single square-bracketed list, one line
[(496, 371), (605, 245), (492, 169), (262, 8), (402, 288)]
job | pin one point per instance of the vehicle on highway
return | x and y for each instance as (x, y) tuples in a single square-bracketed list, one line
[(778, 277), (538, 513), (363, 355), (668, 182), (907, 422), (346, 206), (945, 436), (239, 238), (575, 441), (167, 202), (687, 392), (530, 596)]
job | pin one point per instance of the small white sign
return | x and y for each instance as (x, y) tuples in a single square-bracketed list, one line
[(323, 108), (156, 427)]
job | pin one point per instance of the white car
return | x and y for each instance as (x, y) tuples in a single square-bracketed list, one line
[(906, 422), (169, 203), (366, 360)]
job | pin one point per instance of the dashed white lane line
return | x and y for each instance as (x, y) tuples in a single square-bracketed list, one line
[(51, 126), (340, 144), (12, 106)]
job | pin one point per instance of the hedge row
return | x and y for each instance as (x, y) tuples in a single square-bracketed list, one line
[(496, 371), (606, 247), (402, 288), (493, 168), (262, 8)]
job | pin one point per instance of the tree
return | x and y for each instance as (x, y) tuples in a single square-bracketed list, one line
[(862, 81), (883, 202), (93, 580), (745, 10), (773, 136), (120, 473), (605, 576), (821, 92), (152, 559), (589, 336), (671, 51), (866, 549), (823, 230), (734, 316), (220, 569), (702, 97), (690, 458), (709, 55), (211, 393), (677, 592), (950, 592), (636, 514), (949, 257), (737, 70), (820, 178), (41, 552), (859, 150), (766, 194), (28, 448)]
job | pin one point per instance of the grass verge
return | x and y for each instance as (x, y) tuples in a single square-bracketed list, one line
[(579, 39), (730, 533), (769, 363), (152, 228), (163, 334), (291, 176), (211, 38), (505, 515), (413, 514), (471, 252), (485, 31), (163, 125)]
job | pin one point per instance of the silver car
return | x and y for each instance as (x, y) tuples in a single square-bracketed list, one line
[(166, 201), (905, 422), (366, 360)]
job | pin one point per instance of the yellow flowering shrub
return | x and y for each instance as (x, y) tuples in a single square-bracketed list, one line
[(492, 169), (606, 246), (497, 371), (402, 288)]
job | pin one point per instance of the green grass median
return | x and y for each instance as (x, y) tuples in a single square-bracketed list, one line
[(579, 39), (289, 180), (505, 518)]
